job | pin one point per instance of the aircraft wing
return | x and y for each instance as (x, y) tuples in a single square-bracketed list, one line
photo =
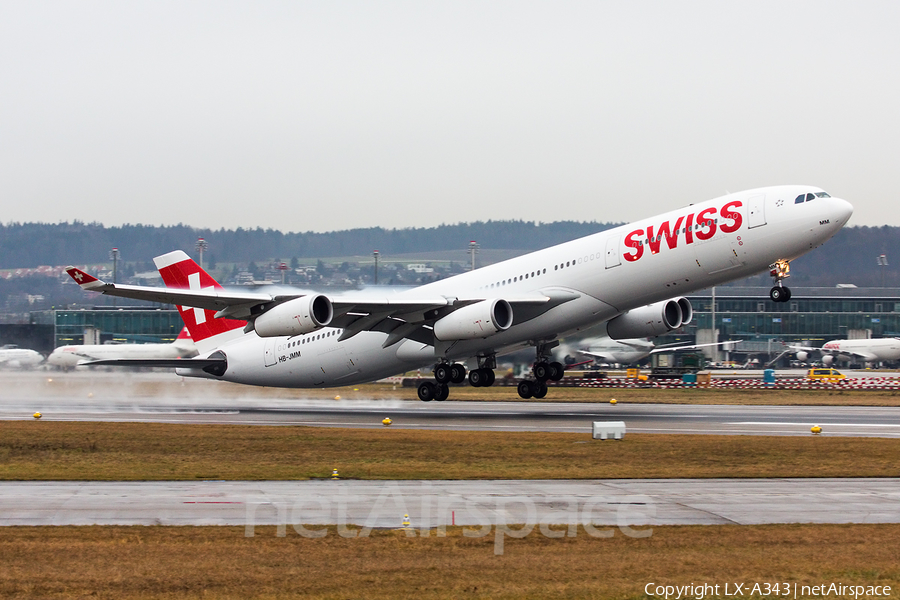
[(209, 299), (403, 316), (209, 365), (691, 346)]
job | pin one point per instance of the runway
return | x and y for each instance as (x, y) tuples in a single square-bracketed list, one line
[(617, 503), (154, 397), (158, 397)]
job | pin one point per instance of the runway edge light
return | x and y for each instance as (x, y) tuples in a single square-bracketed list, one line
[(37, 415), (816, 429)]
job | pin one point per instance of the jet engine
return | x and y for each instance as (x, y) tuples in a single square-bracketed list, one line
[(475, 321), (827, 360), (802, 356), (651, 320), (295, 317)]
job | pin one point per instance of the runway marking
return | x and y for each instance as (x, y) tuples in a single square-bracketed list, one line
[(821, 423)]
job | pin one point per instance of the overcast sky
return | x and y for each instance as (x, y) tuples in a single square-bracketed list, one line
[(320, 116)]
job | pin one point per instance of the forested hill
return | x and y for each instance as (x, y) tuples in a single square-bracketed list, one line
[(848, 258), (33, 244)]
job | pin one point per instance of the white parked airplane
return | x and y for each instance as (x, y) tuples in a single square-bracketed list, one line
[(631, 277), (630, 351), (68, 357), (14, 357), (865, 350)]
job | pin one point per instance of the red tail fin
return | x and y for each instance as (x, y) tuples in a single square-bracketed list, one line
[(179, 271)]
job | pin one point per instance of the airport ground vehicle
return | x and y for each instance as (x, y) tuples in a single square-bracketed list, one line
[(825, 374)]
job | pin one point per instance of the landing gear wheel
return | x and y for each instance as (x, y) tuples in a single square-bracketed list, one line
[(476, 377), (525, 389), (457, 373), (426, 391), (557, 371), (542, 371), (442, 373), (490, 376), (780, 294), (441, 392), (539, 389)]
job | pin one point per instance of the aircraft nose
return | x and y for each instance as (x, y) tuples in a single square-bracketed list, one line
[(842, 210)]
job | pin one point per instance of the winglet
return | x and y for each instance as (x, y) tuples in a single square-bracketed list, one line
[(85, 280)]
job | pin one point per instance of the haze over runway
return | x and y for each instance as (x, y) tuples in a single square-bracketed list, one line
[(106, 396), (324, 116)]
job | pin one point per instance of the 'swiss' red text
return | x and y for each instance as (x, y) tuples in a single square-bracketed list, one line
[(668, 232)]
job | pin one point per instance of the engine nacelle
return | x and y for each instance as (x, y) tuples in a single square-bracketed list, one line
[(650, 321), (802, 356), (827, 360), (479, 320), (687, 311), (295, 317)]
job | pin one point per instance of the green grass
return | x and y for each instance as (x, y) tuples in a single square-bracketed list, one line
[(49, 450)]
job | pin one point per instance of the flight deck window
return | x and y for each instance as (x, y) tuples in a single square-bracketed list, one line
[(822, 195), (810, 197), (800, 199)]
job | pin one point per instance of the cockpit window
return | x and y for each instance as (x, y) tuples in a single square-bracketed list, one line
[(800, 199), (810, 197), (822, 195)]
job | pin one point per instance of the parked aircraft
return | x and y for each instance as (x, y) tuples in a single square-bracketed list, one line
[(630, 351), (631, 277), (863, 350), (14, 357), (67, 357)]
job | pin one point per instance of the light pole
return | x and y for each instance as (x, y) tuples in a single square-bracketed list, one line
[(473, 250), (375, 254), (114, 256), (882, 262), (201, 247)]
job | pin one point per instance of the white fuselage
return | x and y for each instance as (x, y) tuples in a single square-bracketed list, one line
[(607, 273), (868, 350), (20, 357), (624, 352), (67, 357)]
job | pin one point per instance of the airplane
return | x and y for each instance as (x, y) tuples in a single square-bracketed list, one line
[(14, 357), (631, 277), (629, 351), (866, 350), (68, 357)]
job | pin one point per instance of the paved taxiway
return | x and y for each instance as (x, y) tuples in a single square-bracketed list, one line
[(619, 503), (161, 397)]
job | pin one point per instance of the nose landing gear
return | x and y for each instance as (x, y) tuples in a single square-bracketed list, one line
[(780, 271)]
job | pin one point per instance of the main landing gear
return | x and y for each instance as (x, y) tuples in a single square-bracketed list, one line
[(446, 373), (543, 370), (780, 270)]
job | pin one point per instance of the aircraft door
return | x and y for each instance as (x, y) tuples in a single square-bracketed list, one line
[(756, 211), (270, 352), (612, 251)]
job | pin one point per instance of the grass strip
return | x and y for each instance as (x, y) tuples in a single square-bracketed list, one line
[(48, 450), (219, 562)]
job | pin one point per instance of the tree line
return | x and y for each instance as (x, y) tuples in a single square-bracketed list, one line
[(848, 258)]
